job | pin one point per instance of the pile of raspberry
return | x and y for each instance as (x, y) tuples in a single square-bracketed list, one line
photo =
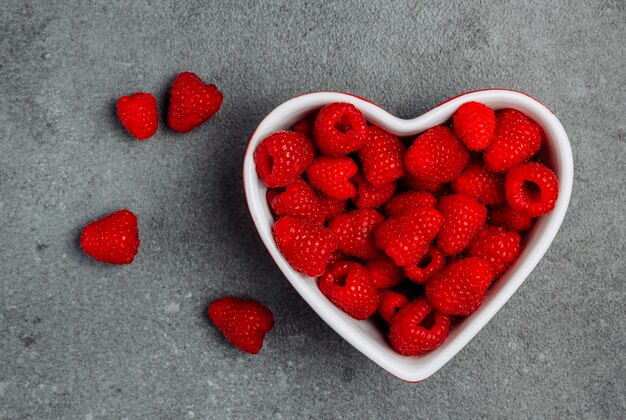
[(415, 230)]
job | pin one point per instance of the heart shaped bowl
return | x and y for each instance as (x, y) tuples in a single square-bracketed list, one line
[(365, 336)]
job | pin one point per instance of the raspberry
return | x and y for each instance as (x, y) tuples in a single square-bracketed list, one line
[(243, 322), (459, 289), (305, 125), (531, 189), (497, 246), (480, 184), (370, 197), (405, 238), (348, 286), (381, 157), (306, 246), (462, 217), (413, 183), (517, 139), (436, 156), (383, 272), (409, 200), (337, 256), (299, 201), (138, 114), (192, 102), (390, 303), (355, 232), (114, 239), (339, 129), (282, 157), (506, 217), (428, 266), (332, 176), (418, 328), (474, 123), (331, 207)]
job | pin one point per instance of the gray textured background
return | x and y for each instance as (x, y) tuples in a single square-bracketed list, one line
[(79, 339)]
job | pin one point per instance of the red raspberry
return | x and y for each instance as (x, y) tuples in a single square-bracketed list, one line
[(383, 272), (418, 328), (531, 189), (299, 201), (114, 239), (462, 217), (480, 184), (355, 232), (192, 102), (505, 216), (331, 207), (282, 157), (474, 123), (497, 246), (138, 114), (348, 286), (370, 197), (305, 125), (332, 176), (243, 322), (413, 183), (428, 266), (517, 139), (409, 200), (405, 238), (339, 129), (306, 246), (390, 303), (459, 289), (337, 256), (436, 156), (381, 157)]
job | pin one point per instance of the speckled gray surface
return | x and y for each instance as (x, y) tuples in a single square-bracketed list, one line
[(79, 339)]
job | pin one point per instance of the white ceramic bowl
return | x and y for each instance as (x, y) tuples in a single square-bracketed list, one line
[(364, 335)]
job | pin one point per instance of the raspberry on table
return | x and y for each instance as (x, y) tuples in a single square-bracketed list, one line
[(475, 124), (339, 129), (138, 114), (462, 217), (192, 102), (355, 232), (381, 157), (390, 303), (331, 175), (282, 157), (531, 189), (114, 239), (478, 182), (430, 264)]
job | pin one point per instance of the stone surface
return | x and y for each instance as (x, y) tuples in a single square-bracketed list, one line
[(79, 339)]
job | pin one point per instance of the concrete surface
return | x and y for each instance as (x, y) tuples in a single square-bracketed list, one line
[(79, 339)]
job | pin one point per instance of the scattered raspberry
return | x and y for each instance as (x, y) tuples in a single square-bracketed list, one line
[(348, 286), (496, 246), (282, 157), (418, 328), (192, 102), (332, 176), (331, 207), (114, 239), (243, 322), (339, 129), (390, 303), (480, 184), (474, 123), (138, 114), (411, 182), (531, 189), (517, 139), (462, 217), (306, 246), (428, 266), (409, 200), (459, 289), (355, 232), (381, 157), (384, 272), (506, 217), (370, 197), (299, 201)]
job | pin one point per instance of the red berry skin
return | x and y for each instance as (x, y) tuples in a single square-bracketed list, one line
[(462, 217), (114, 239), (413, 183), (192, 102), (331, 175), (339, 129), (370, 197), (282, 157), (474, 124), (430, 264), (517, 139), (331, 207), (384, 273), (405, 238), (299, 201), (306, 246), (138, 114), (382, 157), (436, 156), (505, 216), (355, 232), (348, 286), (478, 182), (410, 335), (409, 200), (305, 125), (531, 189), (459, 289), (390, 303), (496, 246), (242, 322)]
